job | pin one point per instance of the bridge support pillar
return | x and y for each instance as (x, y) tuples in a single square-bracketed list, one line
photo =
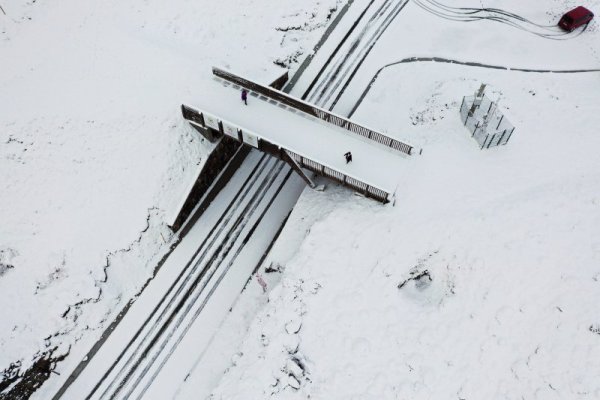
[(286, 157)]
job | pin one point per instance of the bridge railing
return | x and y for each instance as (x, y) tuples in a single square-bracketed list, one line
[(361, 187), (315, 111), (198, 117)]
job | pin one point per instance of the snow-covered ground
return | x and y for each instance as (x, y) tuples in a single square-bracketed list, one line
[(483, 280), (94, 154)]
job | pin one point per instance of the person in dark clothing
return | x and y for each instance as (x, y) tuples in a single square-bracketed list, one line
[(348, 156), (245, 96)]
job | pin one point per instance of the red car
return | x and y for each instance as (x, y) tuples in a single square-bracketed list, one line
[(575, 18)]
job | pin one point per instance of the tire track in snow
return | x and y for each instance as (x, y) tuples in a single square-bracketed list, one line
[(467, 14), (344, 72), (322, 87), (335, 52), (367, 50)]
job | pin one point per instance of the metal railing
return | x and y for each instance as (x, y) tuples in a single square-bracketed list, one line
[(359, 186), (315, 111)]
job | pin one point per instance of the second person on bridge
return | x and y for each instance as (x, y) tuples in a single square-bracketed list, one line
[(348, 156), (245, 96)]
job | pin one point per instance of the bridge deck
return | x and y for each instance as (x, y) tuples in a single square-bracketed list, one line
[(373, 163)]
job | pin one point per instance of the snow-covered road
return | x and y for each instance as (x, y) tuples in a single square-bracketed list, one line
[(177, 313)]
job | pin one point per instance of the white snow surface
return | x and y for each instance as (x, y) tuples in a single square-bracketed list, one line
[(94, 154), (508, 236)]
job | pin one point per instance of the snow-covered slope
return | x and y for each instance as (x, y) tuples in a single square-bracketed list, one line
[(94, 154)]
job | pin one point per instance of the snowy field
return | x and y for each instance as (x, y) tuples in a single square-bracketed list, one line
[(94, 154), (483, 281)]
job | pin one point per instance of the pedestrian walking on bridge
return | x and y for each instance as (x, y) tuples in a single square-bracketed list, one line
[(348, 156), (245, 96)]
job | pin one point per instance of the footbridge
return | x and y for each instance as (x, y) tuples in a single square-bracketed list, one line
[(309, 138)]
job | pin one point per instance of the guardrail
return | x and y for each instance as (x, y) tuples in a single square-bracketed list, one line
[(315, 111)]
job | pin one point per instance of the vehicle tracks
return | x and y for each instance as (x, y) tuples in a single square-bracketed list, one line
[(468, 14)]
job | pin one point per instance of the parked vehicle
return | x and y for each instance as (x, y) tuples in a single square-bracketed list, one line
[(575, 18)]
